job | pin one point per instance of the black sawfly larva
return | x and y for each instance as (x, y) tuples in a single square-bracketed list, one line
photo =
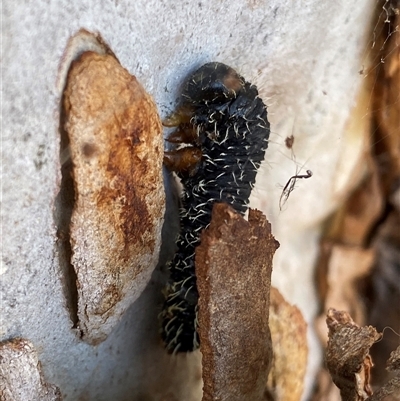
[(223, 124)]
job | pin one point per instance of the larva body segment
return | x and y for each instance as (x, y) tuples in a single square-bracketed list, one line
[(232, 134)]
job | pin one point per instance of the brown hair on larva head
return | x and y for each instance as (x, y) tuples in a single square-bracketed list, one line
[(232, 81), (213, 83)]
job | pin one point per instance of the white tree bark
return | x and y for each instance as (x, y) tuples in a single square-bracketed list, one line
[(305, 57), (21, 376)]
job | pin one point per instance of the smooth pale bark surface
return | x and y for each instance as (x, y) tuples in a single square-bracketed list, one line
[(304, 56)]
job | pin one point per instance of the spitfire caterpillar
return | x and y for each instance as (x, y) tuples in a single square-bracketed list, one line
[(223, 131)]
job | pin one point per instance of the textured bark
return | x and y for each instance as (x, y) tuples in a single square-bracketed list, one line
[(289, 342), (233, 269), (116, 149), (21, 377), (347, 355), (383, 291)]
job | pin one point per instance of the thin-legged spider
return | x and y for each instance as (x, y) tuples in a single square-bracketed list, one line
[(289, 187)]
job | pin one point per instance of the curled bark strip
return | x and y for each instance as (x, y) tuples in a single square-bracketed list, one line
[(393, 363), (392, 387), (233, 268), (347, 355)]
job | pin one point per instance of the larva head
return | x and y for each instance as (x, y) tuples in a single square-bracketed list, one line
[(213, 83)]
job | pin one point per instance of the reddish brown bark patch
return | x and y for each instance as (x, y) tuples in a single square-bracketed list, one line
[(116, 148), (233, 268)]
